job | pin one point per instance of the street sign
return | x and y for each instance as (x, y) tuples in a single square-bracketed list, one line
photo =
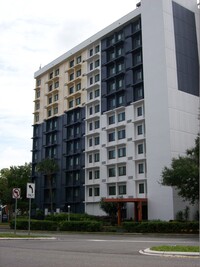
[(16, 193), (30, 190)]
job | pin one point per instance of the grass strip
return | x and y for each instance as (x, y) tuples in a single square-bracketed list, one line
[(177, 248)]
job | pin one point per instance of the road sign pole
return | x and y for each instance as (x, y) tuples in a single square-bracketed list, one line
[(15, 215), (29, 218)]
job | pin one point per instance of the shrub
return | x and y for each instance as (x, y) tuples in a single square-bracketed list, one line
[(161, 227), (22, 224), (87, 226)]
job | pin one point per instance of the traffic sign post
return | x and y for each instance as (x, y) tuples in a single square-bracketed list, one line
[(30, 193), (16, 193)]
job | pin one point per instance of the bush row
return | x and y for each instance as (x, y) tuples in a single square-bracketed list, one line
[(96, 226), (161, 227), (73, 217), (87, 226)]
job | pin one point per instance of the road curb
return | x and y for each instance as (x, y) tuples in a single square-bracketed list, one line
[(150, 252)]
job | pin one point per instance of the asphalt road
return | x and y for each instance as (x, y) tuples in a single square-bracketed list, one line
[(89, 250)]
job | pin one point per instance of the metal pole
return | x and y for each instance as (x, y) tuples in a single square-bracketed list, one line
[(15, 215), (29, 217)]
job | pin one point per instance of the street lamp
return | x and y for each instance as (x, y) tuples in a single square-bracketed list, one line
[(68, 212)]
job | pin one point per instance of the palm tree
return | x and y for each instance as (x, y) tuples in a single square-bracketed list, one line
[(48, 167)]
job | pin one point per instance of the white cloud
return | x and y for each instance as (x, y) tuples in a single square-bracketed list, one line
[(33, 33)]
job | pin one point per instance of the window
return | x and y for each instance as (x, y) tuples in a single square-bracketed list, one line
[(111, 102), (120, 100), (139, 129), (96, 93), (90, 142), (77, 145), (56, 72), (119, 83), (55, 110), (96, 140), (91, 52), (37, 105), (56, 84), (96, 191), (90, 175), (96, 78), (78, 101), (112, 190), (71, 76), (96, 124), (71, 103), (90, 95), (111, 119), (111, 154), (91, 80), (90, 158), (111, 86), (77, 130), (96, 63), (122, 189), (50, 100), (119, 51), (119, 67), (140, 149), (96, 157), (121, 134), (51, 75), (91, 66), (141, 188), (111, 137), (71, 90), (77, 160), (78, 87), (121, 152), (90, 126), (37, 117), (122, 170), (37, 93), (78, 60), (119, 36), (77, 115), (97, 49), (49, 113), (50, 87), (140, 168), (78, 73), (90, 192), (38, 82), (96, 108), (71, 63), (121, 116), (139, 111), (111, 172), (90, 111), (56, 97), (96, 174)]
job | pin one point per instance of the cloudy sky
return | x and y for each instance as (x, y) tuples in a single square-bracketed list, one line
[(34, 33)]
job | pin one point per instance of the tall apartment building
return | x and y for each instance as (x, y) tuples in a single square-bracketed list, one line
[(115, 109)]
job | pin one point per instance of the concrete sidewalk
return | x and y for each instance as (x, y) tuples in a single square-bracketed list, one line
[(150, 252)]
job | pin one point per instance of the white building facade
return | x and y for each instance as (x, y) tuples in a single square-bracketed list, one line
[(137, 95)]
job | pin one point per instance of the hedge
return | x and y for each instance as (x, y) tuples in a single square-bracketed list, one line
[(161, 227), (88, 226), (73, 217), (22, 224)]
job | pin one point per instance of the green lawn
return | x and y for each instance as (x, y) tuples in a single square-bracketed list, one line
[(177, 248), (12, 235)]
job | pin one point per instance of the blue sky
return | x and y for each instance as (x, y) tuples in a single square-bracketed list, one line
[(34, 33)]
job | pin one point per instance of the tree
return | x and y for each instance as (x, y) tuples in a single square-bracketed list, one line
[(48, 167), (14, 177), (184, 174)]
